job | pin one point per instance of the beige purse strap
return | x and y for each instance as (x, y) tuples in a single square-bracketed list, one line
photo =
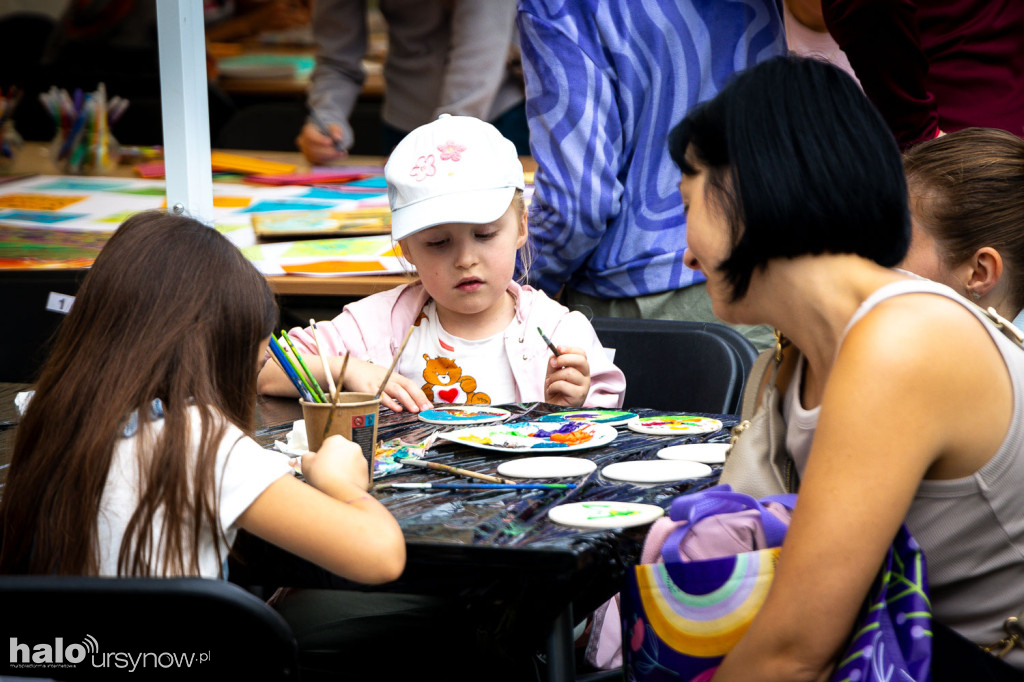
[(770, 358)]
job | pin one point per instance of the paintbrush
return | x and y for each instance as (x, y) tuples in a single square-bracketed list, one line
[(394, 362), (478, 486), (548, 341), (323, 359), (341, 381), (457, 471)]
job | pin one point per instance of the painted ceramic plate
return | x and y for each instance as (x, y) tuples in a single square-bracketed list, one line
[(708, 453), (546, 467), (463, 414), (655, 471), (674, 425), (534, 436), (610, 417), (601, 514)]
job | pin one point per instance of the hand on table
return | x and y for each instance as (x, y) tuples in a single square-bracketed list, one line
[(568, 377), (337, 460), (399, 394), (318, 148)]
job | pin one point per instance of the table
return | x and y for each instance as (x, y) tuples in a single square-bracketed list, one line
[(490, 548), (34, 158), (493, 548)]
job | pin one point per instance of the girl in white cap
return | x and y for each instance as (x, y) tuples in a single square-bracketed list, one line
[(456, 192)]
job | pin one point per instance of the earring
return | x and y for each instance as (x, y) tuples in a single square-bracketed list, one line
[(974, 295)]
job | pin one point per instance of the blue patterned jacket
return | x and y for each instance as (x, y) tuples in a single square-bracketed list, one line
[(605, 82)]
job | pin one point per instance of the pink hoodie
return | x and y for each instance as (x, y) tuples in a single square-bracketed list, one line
[(373, 327)]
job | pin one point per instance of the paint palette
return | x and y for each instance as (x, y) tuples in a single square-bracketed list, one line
[(708, 453), (546, 467), (610, 417), (674, 425), (655, 471), (464, 414), (534, 436), (605, 514)]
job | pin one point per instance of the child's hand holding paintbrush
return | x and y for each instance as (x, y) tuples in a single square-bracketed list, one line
[(567, 381)]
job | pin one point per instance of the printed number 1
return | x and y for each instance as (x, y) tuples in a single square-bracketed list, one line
[(59, 303)]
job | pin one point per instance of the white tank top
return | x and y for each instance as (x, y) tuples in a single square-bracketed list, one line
[(971, 529)]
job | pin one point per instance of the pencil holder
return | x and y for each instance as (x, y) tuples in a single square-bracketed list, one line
[(354, 416), (84, 156), (84, 144)]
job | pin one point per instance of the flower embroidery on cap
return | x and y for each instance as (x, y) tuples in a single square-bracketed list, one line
[(424, 168), (450, 151)]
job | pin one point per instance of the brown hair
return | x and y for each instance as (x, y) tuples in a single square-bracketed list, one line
[(967, 191), (170, 310)]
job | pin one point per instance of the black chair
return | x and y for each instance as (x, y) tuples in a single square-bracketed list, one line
[(679, 365), (81, 628), (34, 304)]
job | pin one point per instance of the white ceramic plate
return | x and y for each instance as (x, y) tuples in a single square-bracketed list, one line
[(463, 415), (520, 437), (610, 417), (708, 453), (655, 471), (674, 425), (546, 467), (605, 514)]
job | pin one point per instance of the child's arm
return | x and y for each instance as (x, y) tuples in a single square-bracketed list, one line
[(568, 377), (331, 521), (400, 392)]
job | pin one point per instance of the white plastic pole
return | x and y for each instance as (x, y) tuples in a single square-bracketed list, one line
[(183, 97)]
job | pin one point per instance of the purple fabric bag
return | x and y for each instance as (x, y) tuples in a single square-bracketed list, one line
[(680, 617)]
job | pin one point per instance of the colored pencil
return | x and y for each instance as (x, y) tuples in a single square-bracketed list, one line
[(298, 371), (322, 127), (289, 371), (478, 486), (458, 471), (394, 362), (312, 383), (323, 360), (548, 341)]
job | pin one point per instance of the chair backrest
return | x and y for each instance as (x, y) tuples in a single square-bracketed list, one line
[(679, 365), (34, 304), (74, 628)]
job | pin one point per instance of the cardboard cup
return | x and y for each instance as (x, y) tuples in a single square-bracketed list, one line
[(354, 417)]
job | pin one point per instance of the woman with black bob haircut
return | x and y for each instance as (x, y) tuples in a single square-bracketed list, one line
[(773, 137), (902, 401)]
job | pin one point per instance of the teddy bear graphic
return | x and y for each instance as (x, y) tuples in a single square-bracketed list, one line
[(447, 377)]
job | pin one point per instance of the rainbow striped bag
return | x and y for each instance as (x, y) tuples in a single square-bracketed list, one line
[(681, 617)]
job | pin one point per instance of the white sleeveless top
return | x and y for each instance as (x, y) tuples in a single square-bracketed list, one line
[(971, 529)]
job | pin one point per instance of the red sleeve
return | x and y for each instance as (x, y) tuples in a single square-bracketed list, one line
[(882, 41)]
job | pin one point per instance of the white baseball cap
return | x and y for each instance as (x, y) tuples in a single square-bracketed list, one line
[(457, 169)]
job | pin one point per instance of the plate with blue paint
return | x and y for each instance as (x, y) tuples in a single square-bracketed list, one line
[(610, 417), (463, 415), (534, 436)]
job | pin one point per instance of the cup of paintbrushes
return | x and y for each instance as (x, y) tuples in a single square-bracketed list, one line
[(354, 416)]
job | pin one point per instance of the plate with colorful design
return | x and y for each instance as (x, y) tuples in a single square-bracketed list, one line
[(610, 417), (534, 436), (464, 414), (674, 425)]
